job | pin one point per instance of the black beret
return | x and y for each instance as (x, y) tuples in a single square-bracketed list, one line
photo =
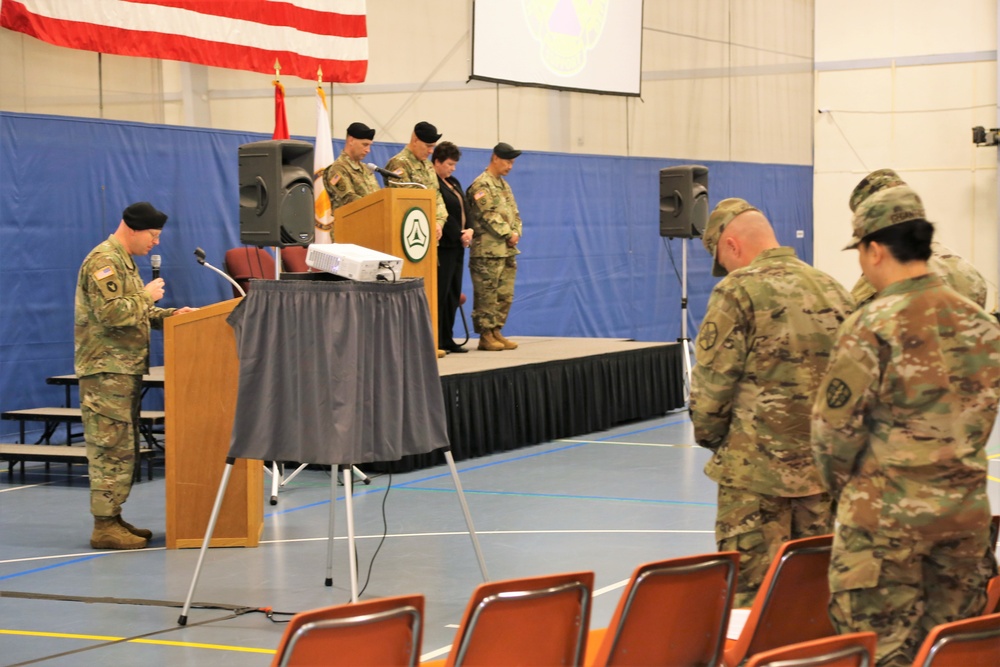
[(360, 131), (505, 151), (426, 132), (142, 216)]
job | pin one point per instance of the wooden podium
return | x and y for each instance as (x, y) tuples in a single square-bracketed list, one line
[(382, 221), (201, 372)]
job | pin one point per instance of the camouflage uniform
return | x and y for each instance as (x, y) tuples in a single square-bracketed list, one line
[(899, 429), (415, 170), (345, 181), (113, 317), (957, 273), (492, 263), (761, 351)]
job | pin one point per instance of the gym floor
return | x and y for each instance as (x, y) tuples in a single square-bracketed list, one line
[(604, 502)]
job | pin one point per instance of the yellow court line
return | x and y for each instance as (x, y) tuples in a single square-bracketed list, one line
[(159, 642)]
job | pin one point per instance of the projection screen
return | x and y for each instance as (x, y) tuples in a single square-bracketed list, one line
[(584, 45)]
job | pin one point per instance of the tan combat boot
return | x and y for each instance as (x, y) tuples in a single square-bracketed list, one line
[(507, 344), (488, 342), (109, 534), (144, 533)]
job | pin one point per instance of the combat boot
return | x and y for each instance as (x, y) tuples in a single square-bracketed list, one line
[(507, 344), (144, 533), (109, 534), (488, 342)]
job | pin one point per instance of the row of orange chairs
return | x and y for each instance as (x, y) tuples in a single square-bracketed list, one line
[(672, 612)]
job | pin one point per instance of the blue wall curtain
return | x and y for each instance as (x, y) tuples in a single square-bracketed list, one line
[(592, 263)]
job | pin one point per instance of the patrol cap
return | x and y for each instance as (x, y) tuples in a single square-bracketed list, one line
[(887, 207), (426, 132), (143, 215), (360, 131), (505, 151), (722, 215), (872, 183)]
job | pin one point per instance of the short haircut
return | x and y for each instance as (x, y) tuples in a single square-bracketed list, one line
[(908, 241), (446, 151)]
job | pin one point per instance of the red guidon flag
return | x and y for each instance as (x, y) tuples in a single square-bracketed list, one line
[(304, 35)]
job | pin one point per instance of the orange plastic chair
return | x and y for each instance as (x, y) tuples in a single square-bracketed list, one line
[(672, 612), (530, 621), (248, 262), (791, 605), (973, 642), (854, 650), (372, 633), (293, 258), (992, 596)]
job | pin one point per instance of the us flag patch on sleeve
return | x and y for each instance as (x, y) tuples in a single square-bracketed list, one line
[(103, 273), (479, 195)]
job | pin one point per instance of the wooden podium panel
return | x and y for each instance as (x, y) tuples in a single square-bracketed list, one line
[(376, 222), (201, 373)]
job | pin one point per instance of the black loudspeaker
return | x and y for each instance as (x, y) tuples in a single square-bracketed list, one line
[(683, 201), (276, 193)]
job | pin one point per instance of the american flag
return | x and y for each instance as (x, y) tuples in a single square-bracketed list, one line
[(303, 35)]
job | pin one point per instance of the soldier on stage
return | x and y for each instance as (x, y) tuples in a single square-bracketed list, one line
[(414, 166), (496, 232), (347, 179)]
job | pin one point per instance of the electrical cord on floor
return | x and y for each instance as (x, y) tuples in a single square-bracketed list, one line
[(385, 531)]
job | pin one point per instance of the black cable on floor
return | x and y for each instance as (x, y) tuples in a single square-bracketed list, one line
[(385, 531)]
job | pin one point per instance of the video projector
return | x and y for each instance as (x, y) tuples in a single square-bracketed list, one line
[(353, 261)]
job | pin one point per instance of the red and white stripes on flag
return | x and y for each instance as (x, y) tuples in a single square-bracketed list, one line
[(322, 157), (304, 35)]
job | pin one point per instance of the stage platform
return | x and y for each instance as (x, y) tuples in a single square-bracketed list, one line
[(549, 388)]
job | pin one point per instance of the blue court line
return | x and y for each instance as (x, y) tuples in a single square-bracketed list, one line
[(569, 496), (53, 566), (438, 476), (481, 466)]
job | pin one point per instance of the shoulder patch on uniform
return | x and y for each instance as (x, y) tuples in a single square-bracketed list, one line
[(708, 336), (479, 195), (398, 172), (837, 393), (336, 177), (103, 273)]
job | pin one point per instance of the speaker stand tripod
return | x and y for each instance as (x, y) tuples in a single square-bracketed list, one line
[(684, 340)]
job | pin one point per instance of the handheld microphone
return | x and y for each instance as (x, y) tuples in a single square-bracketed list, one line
[(375, 169), (200, 255), (154, 261)]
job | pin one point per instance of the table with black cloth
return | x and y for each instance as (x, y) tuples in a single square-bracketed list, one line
[(336, 372)]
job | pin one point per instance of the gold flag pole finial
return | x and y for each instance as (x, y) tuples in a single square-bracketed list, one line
[(277, 68), (319, 76)]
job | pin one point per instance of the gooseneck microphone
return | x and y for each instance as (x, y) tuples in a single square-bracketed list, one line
[(200, 254), (154, 261), (375, 169)]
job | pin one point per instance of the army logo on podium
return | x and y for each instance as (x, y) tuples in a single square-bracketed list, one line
[(416, 232)]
